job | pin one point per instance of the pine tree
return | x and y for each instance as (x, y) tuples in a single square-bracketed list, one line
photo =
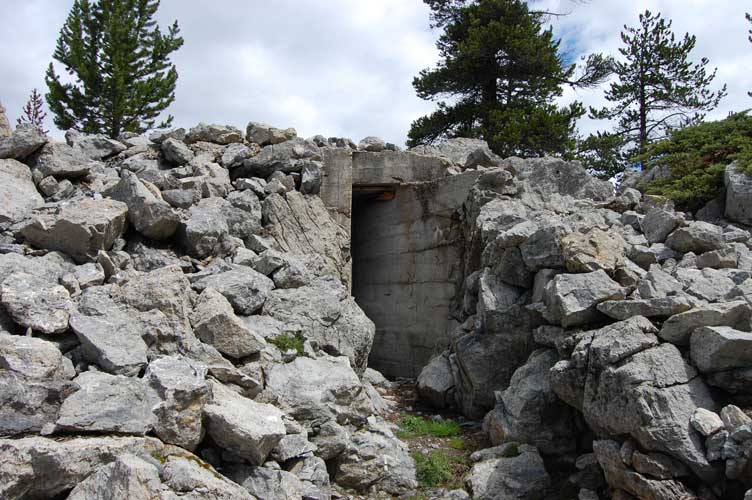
[(33, 112), (497, 80), (748, 16), (657, 90), (118, 60)]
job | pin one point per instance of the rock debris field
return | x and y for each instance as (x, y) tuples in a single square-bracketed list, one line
[(177, 323)]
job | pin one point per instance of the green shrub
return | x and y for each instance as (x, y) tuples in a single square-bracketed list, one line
[(285, 342), (697, 157), (457, 443), (415, 426), (432, 470)]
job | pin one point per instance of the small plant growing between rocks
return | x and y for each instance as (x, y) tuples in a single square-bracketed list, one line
[(433, 469), (286, 342), (412, 426)]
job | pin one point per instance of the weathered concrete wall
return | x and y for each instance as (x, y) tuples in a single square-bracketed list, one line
[(407, 257), (394, 168)]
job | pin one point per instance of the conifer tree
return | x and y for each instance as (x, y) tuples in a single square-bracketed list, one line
[(33, 112), (657, 90), (748, 16), (118, 61), (499, 74)]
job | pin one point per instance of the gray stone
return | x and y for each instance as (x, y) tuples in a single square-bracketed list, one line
[(176, 152), (215, 323), (5, 128), (89, 275), (376, 458), (34, 303), (266, 483), (372, 143), (709, 284), (240, 425), (733, 417), (724, 258), (738, 195), (126, 477), (192, 479), (94, 146), (326, 315), (18, 195), (435, 383), (60, 161), (213, 220), (22, 142), (593, 250), (659, 223), (310, 182), (234, 155), (217, 134), (543, 249), (662, 308), (572, 298), (33, 358), (658, 284), (678, 328), (550, 175), (522, 476), (293, 446), (246, 289), (264, 135), (180, 384), (27, 404), (80, 228), (706, 422), (697, 237), (108, 403), (159, 136), (718, 348)]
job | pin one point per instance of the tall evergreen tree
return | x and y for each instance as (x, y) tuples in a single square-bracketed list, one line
[(33, 112), (118, 61), (748, 16), (499, 74), (657, 89)]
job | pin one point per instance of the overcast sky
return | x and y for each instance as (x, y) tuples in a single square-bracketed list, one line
[(345, 67)]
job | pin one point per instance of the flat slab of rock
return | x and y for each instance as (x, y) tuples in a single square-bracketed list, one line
[(34, 303), (18, 195), (22, 142), (218, 134), (678, 328), (244, 288), (650, 308), (658, 224), (80, 228), (33, 358), (61, 161), (238, 424), (108, 403), (27, 405), (697, 237), (572, 299), (717, 348)]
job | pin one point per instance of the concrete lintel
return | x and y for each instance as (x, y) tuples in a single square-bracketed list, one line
[(393, 168)]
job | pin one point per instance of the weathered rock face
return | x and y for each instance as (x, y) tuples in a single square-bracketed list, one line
[(21, 143), (738, 195), (18, 195), (5, 129)]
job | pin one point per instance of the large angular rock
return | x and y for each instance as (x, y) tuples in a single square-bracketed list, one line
[(325, 314), (180, 384), (176, 152), (18, 195), (60, 161), (550, 175), (650, 308), (34, 303), (378, 458), (215, 323), (738, 195), (718, 348), (543, 249), (263, 134), (266, 483), (33, 358), (435, 384), (529, 411), (249, 429), (27, 404), (218, 134), (94, 146), (246, 289), (678, 328), (593, 250), (108, 403), (129, 476), (80, 228), (521, 476), (22, 142), (697, 237), (572, 299), (149, 214), (5, 128), (659, 223), (212, 220)]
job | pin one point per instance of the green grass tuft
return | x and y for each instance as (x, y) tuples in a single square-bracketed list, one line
[(432, 470), (412, 426), (285, 342), (457, 443)]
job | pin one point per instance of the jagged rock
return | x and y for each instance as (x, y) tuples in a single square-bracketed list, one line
[(310, 181), (706, 422), (94, 146), (240, 425), (18, 195), (266, 483), (663, 307), (543, 249), (80, 228), (28, 405), (192, 479), (738, 194), (293, 446), (528, 411), (372, 143), (264, 135), (21, 143), (176, 152), (314, 476), (215, 323), (572, 299), (376, 457), (325, 314), (724, 258), (213, 220), (697, 237), (733, 417), (657, 284), (658, 224), (552, 175), (435, 383), (619, 476), (180, 384), (718, 348), (331, 440), (520, 476), (315, 390), (149, 214), (34, 303), (60, 161), (678, 328), (243, 287), (217, 134), (235, 153), (159, 136), (127, 477), (89, 275), (5, 128), (108, 403), (711, 285), (593, 250), (33, 358)]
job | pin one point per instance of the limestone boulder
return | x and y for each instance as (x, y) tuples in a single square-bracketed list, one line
[(33, 357), (5, 128), (80, 228), (213, 220), (697, 237), (649, 308), (706, 422), (372, 143), (659, 223), (593, 250), (240, 425), (719, 348), (267, 483), (678, 328), (18, 195), (129, 476), (176, 152), (572, 299), (550, 175), (217, 134), (21, 143), (264, 135), (28, 405), (738, 195), (149, 214), (34, 303), (94, 146), (246, 289), (61, 161), (520, 476), (435, 384)]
